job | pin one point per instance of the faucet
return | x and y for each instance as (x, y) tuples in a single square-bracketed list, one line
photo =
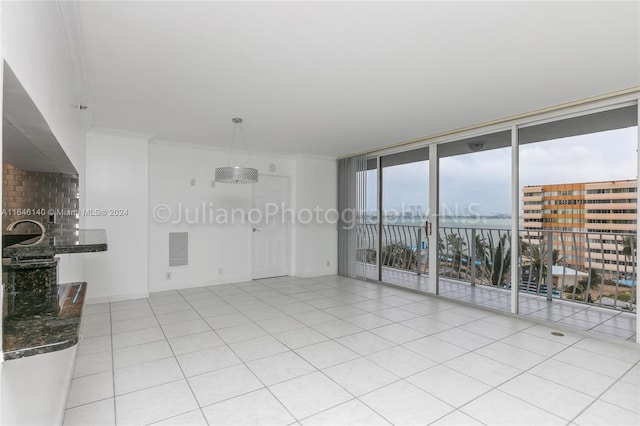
[(12, 226)]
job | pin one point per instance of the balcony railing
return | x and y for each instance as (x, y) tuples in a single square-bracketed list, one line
[(597, 268)]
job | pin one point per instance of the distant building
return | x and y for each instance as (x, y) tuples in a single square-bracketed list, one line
[(597, 210)]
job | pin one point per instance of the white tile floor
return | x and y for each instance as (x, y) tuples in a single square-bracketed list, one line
[(594, 319), (336, 351)]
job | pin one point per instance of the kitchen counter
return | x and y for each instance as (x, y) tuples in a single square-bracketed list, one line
[(40, 322), (59, 242)]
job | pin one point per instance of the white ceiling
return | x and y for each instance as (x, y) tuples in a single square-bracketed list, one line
[(333, 78)]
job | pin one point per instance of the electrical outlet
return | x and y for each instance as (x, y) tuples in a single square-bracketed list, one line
[(220, 271), (213, 183), (193, 182), (168, 276), (328, 263)]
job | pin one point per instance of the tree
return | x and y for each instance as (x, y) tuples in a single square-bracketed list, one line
[(539, 255), (628, 246), (590, 282), (482, 248), (483, 255), (396, 255), (456, 247), (540, 259), (525, 248), (496, 257), (500, 260)]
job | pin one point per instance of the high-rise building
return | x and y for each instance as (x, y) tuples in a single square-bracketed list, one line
[(587, 221)]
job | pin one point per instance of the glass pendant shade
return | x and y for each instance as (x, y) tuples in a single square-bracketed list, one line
[(236, 175)]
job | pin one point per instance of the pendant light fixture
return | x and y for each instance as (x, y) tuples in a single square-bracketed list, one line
[(237, 174)]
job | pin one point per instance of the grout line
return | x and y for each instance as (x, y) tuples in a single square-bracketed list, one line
[(184, 376), (256, 376), (542, 307), (292, 350), (113, 370), (332, 291), (246, 366)]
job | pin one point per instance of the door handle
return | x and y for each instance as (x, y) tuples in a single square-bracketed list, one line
[(256, 230), (427, 228)]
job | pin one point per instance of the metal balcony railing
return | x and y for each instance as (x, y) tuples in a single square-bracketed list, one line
[(597, 268), (403, 246)]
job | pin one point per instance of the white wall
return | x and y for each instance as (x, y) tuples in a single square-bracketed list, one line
[(316, 244), (35, 47), (35, 388), (211, 245), (33, 44), (117, 179)]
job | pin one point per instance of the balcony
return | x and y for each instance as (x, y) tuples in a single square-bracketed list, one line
[(474, 266)]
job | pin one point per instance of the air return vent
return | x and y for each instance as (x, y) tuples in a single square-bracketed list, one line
[(178, 248)]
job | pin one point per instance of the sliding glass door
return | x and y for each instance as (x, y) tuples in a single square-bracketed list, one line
[(475, 219), (578, 183), (515, 218)]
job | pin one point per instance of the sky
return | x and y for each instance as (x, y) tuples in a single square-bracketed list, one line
[(480, 182)]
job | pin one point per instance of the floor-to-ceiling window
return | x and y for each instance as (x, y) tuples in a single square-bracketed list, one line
[(404, 208), (537, 216), (578, 189), (368, 229), (392, 235), (475, 180)]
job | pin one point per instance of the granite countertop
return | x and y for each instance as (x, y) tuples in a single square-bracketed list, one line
[(36, 322), (59, 242)]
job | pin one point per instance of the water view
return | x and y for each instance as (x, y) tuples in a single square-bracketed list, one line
[(502, 222)]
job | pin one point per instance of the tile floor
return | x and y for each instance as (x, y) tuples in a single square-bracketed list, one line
[(336, 351), (594, 319)]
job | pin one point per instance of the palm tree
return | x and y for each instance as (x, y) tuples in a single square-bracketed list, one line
[(396, 255), (456, 246), (540, 258), (440, 245), (497, 259), (500, 260), (525, 248), (483, 255), (590, 282), (628, 246), (482, 248)]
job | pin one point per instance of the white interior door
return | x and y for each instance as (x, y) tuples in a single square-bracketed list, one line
[(271, 232)]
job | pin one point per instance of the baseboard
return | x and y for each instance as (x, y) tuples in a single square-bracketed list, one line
[(228, 280), (314, 274), (116, 298), (181, 286)]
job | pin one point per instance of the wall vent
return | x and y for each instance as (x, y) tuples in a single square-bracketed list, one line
[(178, 248)]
